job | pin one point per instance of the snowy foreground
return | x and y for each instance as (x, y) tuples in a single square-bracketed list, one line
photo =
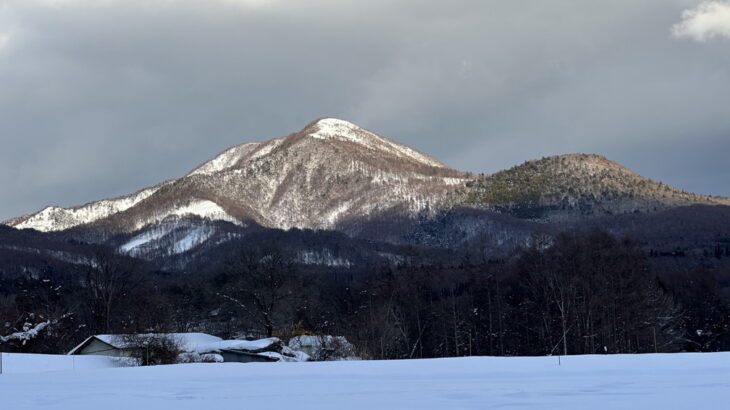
[(679, 381)]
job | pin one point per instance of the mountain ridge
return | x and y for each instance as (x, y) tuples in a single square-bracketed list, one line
[(333, 172)]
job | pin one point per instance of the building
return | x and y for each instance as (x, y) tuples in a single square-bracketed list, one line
[(119, 345), (200, 344)]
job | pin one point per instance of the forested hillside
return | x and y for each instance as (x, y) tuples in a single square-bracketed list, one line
[(577, 293)]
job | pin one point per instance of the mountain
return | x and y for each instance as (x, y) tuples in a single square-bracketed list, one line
[(327, 173), (335, 175), (576, 185)]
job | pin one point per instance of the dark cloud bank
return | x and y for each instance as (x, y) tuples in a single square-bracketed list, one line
[(100, 98)]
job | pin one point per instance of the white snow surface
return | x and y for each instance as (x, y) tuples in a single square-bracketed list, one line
[(58, 219), (227, 159), (179, 243), (144, 238), (653, 381), (21, 363), (333, 128), (265, 149), (194, 238), (245, 345), (202, 208)]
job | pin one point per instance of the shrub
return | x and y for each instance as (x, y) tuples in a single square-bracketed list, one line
[(153, 349)]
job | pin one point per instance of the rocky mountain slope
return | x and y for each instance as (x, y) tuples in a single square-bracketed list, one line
[(327, 173), (336, 175)]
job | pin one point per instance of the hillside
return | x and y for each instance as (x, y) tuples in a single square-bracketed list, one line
[(576, 185)]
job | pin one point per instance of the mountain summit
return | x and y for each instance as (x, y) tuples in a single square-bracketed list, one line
[(331, 130)]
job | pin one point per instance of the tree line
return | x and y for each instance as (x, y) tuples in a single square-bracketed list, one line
[(576, 293)]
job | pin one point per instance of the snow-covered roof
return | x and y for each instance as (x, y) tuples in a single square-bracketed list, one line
[(189, 342), (244, 345)]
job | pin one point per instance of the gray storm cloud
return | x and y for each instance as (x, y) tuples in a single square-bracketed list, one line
[(100, 98)]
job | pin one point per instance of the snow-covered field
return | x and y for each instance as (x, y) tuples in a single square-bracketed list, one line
[(679, 381), (13, 364)]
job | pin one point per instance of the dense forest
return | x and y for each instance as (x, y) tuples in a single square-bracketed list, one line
[(576, 293)]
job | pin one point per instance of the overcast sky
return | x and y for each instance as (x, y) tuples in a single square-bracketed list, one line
[(99, 98)]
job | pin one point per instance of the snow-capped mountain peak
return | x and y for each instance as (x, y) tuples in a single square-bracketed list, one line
[(332, 127), (283, 183), (336, 129), (325, 129)]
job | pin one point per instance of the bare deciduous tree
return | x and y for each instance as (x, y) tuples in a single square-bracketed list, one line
[(262, 285)]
